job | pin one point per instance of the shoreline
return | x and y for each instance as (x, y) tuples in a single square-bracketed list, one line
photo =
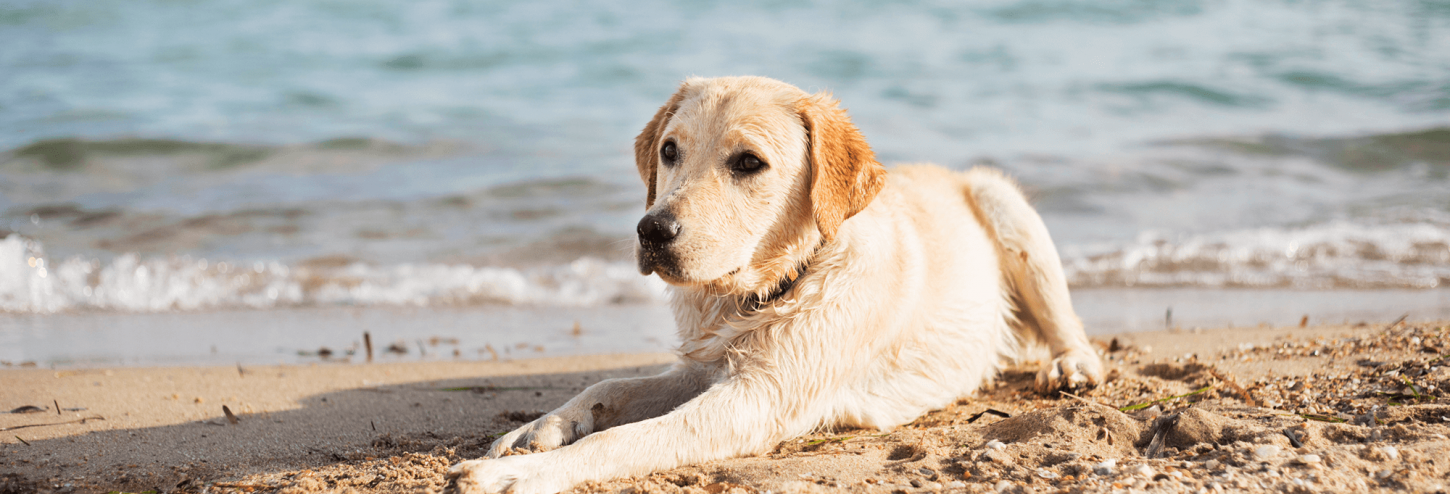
[(397, 426), (470, 333)]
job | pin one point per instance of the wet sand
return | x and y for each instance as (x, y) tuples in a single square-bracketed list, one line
[(1360, 402)]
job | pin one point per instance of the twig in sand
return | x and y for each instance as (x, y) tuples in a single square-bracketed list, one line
[(368, 343), (1160, 432), (1293, 438), (375, 426), (1079, 398), (57, 405), (79, 420), (1397, 322), (1233, 385), (230, 416), (1321, 418), (27, 409), (998, 413), (1141, 406), (27, 443)]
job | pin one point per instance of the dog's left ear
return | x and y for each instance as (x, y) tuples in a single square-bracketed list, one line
[(845, 176), (647, 144)]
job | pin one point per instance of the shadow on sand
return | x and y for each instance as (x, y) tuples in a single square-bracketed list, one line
[(362, 437)]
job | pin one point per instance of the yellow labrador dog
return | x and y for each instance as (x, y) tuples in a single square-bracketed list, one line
[(812, 289)]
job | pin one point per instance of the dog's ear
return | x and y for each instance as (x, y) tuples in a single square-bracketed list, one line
[(844, 173), (647, 144)]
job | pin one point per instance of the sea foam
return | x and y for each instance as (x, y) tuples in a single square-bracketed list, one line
[(32, 283)]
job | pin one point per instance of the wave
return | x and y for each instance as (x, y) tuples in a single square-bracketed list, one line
[(1325, 256), (1338, 255), (31, 283)]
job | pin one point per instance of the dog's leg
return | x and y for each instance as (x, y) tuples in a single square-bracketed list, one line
[(1034, 273), (741, 416), (607, 404)]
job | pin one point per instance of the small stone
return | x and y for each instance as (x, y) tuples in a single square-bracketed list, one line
[(1002, 486), (1266, 451), (1144, 470), (956, 484), (1211, 464), (996, 445), (1107, 467), (1047, 474), (915, 483), (1309, 459), (1391, 452)]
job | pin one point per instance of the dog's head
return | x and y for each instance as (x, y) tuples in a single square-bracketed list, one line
[(746, 176)]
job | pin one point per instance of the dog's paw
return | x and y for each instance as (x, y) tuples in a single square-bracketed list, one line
[(558, 428), (525, 474), (1071, 370)]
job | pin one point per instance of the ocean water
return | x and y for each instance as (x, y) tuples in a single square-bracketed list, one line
[(161, 161)]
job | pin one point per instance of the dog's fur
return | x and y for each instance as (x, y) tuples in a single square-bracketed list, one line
[(818, 292)]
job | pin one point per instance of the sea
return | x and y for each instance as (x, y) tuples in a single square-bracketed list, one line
[(208, 182)]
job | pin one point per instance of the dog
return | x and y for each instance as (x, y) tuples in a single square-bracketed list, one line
[(812, 289)]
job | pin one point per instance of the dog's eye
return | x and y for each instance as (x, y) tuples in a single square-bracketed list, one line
[(747, 163), (670, 153)]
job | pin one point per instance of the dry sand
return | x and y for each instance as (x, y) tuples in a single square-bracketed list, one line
[(1361, 404)]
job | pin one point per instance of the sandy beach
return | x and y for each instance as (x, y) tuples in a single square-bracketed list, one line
[(1304, 409)]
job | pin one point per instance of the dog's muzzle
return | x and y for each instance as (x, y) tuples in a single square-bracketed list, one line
[(656, 232)]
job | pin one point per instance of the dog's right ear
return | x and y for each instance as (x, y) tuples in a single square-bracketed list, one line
[(647, 144)]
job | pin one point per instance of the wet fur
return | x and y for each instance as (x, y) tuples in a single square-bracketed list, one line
[(917, 286)]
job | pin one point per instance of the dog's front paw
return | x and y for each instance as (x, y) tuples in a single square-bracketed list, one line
[(524, 474), (558, 428), (1071, 370)]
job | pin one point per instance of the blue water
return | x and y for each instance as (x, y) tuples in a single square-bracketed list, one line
[(926, 81)]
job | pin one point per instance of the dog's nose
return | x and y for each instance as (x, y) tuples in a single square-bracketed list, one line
[(658, 229)]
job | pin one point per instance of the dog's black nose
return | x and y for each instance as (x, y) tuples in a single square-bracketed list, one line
[(658, 229)]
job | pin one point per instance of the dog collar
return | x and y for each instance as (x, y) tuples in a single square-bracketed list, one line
[(754, 303)]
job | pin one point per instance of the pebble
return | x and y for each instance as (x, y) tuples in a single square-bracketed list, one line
[(1309, 459), (1002, 485), (1047, 474), (996, 445), (1107, 467), (1266, 451), (1144, 470), (1211, 464), (957, 484), (1391, 452)]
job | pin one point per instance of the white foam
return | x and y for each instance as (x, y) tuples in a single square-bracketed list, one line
[(31, 283), (1331, 255), (1326, 256)]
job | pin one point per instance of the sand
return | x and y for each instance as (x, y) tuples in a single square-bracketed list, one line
[(1326, 408)]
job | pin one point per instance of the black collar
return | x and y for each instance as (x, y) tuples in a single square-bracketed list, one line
[(754, 303)]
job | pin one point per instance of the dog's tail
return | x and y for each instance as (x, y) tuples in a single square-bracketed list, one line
[(1031, 268)]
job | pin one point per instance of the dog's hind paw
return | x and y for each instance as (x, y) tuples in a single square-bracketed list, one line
[(528, 474), (558, 428), (1071, 370)]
